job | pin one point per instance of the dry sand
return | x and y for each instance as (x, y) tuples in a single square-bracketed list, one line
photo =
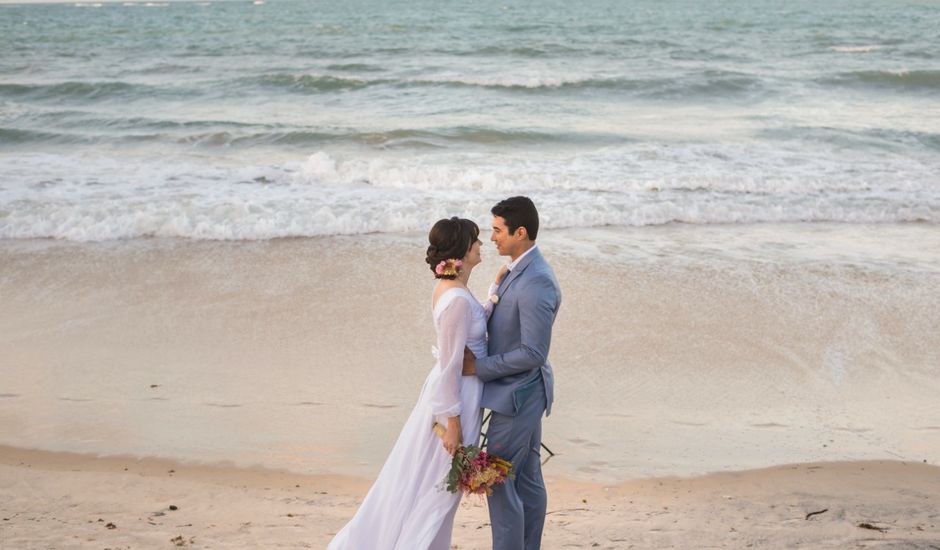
[(63, 500)]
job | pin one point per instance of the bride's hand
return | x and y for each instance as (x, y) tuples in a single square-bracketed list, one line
[(451, 438), (503, 270)]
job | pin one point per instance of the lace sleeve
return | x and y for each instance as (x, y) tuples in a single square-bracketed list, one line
[(453, 328)]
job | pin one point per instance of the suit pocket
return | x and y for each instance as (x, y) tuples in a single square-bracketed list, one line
[(522, 394)]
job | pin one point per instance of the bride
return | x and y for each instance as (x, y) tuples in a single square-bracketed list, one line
[(408, 507)]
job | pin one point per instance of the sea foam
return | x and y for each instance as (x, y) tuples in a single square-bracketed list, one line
[(328, 194)]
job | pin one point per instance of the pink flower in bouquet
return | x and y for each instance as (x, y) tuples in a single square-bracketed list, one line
[(474, 471)]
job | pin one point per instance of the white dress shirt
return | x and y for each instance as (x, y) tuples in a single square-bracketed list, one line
[(488, 305)]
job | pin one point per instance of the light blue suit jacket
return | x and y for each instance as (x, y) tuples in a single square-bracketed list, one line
[(520, 334)]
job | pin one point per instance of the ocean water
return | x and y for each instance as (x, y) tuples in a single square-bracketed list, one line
[(256, 120)]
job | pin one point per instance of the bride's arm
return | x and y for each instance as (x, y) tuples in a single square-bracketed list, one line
[(453, 328)]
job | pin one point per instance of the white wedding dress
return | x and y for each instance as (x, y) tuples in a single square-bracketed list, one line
[(408, 507)]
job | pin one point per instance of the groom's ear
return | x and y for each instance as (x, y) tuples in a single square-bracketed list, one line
[(522, 233)]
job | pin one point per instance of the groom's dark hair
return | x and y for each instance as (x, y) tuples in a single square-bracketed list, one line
[(519, 212)]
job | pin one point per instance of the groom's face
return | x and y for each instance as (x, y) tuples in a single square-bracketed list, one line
[(506, 242)]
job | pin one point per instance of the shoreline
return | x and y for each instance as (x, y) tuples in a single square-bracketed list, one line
[(72, 499)]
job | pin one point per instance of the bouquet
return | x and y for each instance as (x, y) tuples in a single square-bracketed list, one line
[(473, 470)]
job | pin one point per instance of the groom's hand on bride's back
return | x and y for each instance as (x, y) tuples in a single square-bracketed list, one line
[(469, 362)]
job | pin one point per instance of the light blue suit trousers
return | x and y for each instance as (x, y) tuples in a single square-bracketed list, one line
[(518, 389)]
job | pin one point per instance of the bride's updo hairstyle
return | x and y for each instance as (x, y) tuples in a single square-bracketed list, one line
[(450, 239)]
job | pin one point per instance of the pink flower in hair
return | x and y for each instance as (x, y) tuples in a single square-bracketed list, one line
[(448, 268)]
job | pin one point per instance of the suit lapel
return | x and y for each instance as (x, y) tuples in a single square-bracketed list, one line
[(516, 272)]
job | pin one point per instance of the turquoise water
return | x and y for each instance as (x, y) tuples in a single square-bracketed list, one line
[(252, 120)]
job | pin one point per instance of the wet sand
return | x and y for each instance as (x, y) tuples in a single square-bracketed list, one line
[(683, 352)]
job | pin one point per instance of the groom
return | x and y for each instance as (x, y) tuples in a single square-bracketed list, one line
[(516, 374)]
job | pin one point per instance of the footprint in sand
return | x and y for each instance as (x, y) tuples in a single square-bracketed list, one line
[(853, 430), (583, 442), (689, 423)]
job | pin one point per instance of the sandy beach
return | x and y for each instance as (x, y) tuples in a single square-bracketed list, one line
[(62, 500), (708, 397), (215, 312), (306, 355)]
